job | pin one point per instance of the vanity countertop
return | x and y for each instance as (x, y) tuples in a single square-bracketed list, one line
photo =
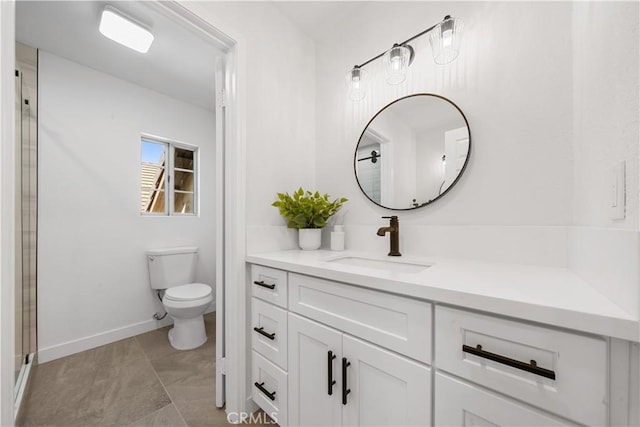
[(549, 295)]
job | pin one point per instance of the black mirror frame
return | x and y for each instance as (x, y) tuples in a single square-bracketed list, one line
[(464, 167)]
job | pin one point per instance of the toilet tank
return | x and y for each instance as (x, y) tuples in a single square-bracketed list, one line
[(172, 267)]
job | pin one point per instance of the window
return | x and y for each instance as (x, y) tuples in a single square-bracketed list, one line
[(168, 177)]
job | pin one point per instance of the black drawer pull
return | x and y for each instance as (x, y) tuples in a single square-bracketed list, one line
[(529, 367), (261, 331), (331, 382), (345, 390), (271, 396), (264, 285)]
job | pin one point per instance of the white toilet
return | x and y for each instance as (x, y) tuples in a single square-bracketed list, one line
[(174, 271)]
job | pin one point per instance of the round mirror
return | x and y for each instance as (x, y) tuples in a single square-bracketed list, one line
[(412, 152)]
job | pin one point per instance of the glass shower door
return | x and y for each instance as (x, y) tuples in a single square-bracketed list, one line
[(26, 211)]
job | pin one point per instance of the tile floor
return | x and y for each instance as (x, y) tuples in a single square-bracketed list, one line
[(139, 381)]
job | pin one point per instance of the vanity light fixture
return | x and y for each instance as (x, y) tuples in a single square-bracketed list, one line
[(445, 43), (125, 30), (396, 62), (356, 81)]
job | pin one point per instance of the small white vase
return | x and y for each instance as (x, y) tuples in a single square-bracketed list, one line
[(309, 239)]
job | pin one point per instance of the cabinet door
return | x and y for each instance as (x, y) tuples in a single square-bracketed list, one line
[(383, 388), (459, 403), (313, 401)]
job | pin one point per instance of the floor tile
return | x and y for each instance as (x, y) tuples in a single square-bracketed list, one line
[(165, 417), (140, 381), (110, 385), (192, 367)]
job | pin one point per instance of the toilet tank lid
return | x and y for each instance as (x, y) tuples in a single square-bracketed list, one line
[(172, 251)]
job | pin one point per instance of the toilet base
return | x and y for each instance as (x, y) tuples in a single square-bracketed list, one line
[(187, 334)]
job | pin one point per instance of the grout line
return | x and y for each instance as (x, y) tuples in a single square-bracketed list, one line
[(151, 413), (160, 380)]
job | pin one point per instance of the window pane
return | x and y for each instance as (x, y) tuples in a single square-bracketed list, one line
[(153, 152), (152, 201), (151, 176), (183, 159), (183, 203), (183, 181)]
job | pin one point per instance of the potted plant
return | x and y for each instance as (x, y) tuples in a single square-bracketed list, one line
[(308, 212)]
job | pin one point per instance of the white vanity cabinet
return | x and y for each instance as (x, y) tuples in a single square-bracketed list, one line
[(336, 379), (269, 341), (459, 403), (348, 355), (561, 372)]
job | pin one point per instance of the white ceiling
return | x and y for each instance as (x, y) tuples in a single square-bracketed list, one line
[(316, 18), (425, 113), (180, 63)]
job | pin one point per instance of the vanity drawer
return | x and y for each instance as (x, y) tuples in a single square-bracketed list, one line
[(269, 331), (397, 323), (269, 284), (578, 362), (269, 388), (460, 403)]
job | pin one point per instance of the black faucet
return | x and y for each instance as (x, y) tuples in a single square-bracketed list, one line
[(394, 235)]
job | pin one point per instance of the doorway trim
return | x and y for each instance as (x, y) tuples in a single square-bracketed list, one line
[(7, 210), (232, 229)]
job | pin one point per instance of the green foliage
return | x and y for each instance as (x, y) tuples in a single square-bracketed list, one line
[(306, 209)]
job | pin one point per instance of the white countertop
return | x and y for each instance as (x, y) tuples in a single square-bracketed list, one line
[(553, 296)]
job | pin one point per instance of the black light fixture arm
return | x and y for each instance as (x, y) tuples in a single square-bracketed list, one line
[(404, 42)]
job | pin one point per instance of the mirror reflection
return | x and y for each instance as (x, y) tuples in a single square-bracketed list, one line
[(412, 152)]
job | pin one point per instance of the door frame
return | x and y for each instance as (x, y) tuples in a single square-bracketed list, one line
[(7, 210), (232, 229)]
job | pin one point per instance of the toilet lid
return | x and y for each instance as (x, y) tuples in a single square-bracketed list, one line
[(188, 292)]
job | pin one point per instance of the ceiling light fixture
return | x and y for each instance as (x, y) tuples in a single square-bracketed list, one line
[(445, 43), (125, 30)]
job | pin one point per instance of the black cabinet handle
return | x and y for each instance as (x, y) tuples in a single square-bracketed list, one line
[(345, 390), (264, 285), (529, 367), (271, 396), (331, 382), (261, 331)]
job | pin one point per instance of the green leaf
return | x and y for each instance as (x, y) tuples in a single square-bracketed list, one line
[(307, 209)]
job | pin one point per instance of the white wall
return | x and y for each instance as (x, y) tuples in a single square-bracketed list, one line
[(280, 129), (402, 145), (512, 80), (606, 115), (92, 274), (430, 175)]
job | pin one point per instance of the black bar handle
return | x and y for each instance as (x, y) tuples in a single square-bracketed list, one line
[(261, 331), (529, 367), (264, 285), (345, 390), (331, 382), (271, 396)]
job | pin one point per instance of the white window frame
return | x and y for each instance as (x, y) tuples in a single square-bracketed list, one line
[(169, 198)]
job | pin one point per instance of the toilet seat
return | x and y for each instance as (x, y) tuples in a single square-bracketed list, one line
[(189, 292)]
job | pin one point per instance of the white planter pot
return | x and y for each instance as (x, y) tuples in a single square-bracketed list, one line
[(309, 239)]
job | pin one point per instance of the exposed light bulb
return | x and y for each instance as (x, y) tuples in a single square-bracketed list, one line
[(445, 40), (396, 61), (356, 79)]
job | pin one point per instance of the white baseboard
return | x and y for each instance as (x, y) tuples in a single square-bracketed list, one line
[(57, 351)]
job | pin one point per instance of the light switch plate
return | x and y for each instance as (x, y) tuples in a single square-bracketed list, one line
[(618, 191)]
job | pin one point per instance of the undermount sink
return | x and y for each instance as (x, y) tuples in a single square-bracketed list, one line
[(388, 265)]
